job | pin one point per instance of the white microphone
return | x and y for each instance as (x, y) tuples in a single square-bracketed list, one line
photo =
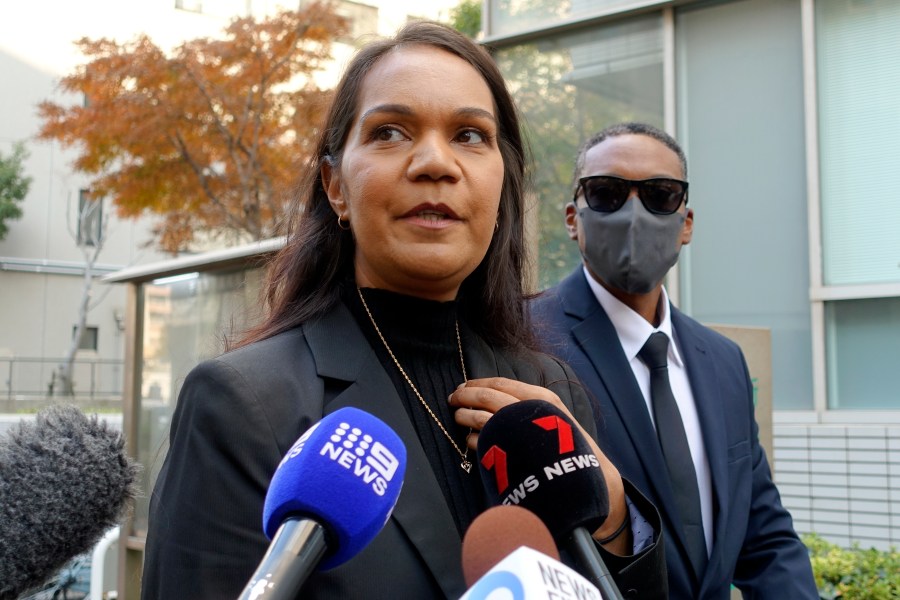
[(509, 554), (527, 574)]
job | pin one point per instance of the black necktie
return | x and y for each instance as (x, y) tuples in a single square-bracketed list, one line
[(675, 449)]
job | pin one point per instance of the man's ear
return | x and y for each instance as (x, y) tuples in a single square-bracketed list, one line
[(572, 221), (331, 183), (687, 231)]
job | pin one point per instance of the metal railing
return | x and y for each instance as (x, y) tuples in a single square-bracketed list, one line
[(29, 381)]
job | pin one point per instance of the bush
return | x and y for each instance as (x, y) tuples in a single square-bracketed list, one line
[(853, 574)]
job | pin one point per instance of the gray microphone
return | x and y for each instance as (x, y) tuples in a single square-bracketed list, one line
[(64, 481)]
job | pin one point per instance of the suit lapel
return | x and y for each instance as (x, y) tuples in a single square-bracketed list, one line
[(342, 352), (593, 332), (703, 376)]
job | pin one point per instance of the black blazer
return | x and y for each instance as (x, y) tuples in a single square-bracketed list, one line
[(754, 543), (236, 417)]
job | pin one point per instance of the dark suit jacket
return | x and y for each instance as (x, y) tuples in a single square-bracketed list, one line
[(754, 543), (239, 414)]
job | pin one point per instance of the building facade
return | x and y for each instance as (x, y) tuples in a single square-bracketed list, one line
[(43, 257), (789, 113)]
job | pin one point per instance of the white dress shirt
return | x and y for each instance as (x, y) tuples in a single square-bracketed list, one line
[(633, 331)]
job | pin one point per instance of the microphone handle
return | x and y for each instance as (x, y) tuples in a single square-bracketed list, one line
[(296, 549), (583, 549)]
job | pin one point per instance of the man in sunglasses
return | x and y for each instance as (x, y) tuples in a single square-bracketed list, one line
[(674, 398)]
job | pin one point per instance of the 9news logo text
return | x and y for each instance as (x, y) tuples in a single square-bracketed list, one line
[(359, 452)]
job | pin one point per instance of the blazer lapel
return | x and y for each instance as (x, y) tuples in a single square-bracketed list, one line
[(703, 375), (421, 510), (593, 332)]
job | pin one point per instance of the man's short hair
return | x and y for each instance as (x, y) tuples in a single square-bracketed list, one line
[(627, 129)]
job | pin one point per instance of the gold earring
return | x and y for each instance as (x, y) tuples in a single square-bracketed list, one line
[(341, 225)]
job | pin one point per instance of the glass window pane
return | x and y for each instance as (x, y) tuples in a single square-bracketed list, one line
[(185, 321), (740, 122), (858, 72), (862, 349), (509, 16), (567, 88)]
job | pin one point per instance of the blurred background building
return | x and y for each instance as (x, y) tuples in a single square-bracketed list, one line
[(42, 258)]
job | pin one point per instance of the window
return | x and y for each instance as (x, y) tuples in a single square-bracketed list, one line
[(88, 339), (363, 20), (184, 319), (567, 88), (509, 16), (90, 219), (858, 78), (740, 123), (859, 125), (189, 5)]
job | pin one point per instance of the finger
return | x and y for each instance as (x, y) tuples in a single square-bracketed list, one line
[(472, 418), (492, 394), (472, 440), (512, 387), (481, 399)]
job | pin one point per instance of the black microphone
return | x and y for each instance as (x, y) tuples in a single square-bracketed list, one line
[(533, 455), (331, 495), (64, 481)]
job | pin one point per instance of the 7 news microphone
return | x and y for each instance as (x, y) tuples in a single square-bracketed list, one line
[(531, 454), (330, 496), (65, 479)]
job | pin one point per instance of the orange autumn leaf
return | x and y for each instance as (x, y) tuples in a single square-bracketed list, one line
[(208, 137)]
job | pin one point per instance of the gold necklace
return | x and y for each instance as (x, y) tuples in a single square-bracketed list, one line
[(466, 464)]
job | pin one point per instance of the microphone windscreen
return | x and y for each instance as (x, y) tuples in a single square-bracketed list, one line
[(345, 472), (533, 455), (64, 481), (498, 532)]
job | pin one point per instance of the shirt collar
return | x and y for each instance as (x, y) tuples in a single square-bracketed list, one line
[(633, 330)]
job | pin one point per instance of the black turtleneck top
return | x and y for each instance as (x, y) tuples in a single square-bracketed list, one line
[(422, 335)]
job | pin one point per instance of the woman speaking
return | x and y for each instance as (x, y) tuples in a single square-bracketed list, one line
[(399, 292)]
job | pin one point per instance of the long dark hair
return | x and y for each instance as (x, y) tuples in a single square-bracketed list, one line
[(304, 277)]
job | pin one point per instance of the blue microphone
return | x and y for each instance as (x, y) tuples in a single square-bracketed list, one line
[(330, 496)]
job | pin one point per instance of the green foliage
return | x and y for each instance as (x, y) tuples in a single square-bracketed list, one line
[(13, 185), (465, 17), (853, 574)]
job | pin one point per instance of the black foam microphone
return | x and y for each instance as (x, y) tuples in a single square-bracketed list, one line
[(533, 455), (64, 481)]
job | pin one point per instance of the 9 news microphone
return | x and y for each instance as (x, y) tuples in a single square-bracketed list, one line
[(330, 496), (531, 454), (508, 551), (64, 481)]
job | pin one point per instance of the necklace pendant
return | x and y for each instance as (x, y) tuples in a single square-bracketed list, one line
[(466, 465)]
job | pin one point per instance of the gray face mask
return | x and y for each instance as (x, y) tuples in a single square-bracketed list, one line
[(631, 249)]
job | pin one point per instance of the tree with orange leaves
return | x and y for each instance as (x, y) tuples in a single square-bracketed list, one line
[(209, 137)]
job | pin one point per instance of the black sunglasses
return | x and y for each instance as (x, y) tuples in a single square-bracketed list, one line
[(605, 193)]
